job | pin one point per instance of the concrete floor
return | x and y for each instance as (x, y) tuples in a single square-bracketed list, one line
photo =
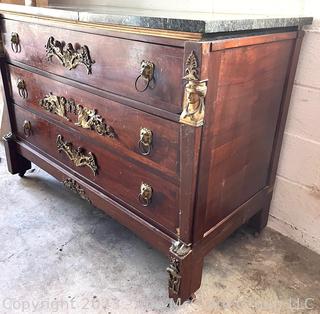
[(59, 254)]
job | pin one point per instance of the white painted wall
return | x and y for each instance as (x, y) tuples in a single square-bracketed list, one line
[(295, 209)]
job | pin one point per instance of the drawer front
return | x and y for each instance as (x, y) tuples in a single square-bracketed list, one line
[(114, 63), (115, 126), (144, 191)]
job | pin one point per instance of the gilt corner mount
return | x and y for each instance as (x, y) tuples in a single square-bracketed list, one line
[(194, 93)]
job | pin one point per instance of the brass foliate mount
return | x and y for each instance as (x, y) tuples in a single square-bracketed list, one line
[(174, 275), (76, 188), (179, 251), (68, 56), (194, 94), (86, 118), (77, 155)]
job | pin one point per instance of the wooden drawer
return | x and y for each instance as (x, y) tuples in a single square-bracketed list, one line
[(114, 175), (124, 123), (116, 64)]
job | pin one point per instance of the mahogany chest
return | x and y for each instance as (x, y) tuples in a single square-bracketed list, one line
[(175, 134)]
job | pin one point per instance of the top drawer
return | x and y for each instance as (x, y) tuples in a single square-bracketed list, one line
[(114, 63)]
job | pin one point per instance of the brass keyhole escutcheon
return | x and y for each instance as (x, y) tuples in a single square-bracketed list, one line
[(21, 85), (145, 141), (146, 75), (15, 43), (145, 196), (27, 128)]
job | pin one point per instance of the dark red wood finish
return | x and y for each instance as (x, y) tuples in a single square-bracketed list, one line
[(126, 122), (116, 176), (117, 62), (207, 180)]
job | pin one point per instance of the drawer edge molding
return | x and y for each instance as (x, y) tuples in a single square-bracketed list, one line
[(77, 155), (68, 56), (195, 92), (87, 118)]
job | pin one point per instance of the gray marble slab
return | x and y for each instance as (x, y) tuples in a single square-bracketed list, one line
[(166, 20)]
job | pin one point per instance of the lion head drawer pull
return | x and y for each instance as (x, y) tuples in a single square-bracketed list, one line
[(15, 43), (22, 89), (27, 128), (145, 196), (77, 155), (145, 142), (145, 77), (68, 56)]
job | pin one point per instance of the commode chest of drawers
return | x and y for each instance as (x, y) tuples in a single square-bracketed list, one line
[(172, 126)]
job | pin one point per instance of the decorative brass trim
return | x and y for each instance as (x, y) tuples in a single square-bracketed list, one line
[(86, 118), (89, 119), (192, 67), (27, 128), (145, 196), (55, 104), (174, 275), (146, 74), (69, 57), (15, 43), (179, 248), (76, 155), (194, 94), (145, 142), (22, 88), (9, 137), (76, 188), (179, 251)]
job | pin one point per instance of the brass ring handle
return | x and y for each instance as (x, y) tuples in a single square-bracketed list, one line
[(21, 85), (146, 75), (145, 141), (15, 43), (145, 196), (27, 128)]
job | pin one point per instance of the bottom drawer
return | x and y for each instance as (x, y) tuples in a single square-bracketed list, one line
[(144, 191)]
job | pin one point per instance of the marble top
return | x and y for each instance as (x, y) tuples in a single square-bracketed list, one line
[(165, 20)]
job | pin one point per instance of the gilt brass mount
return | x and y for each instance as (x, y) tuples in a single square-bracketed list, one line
[(89, 119), (68, 56), (145, 196), (76, 188), (86, 118), (146, 75), (179, 248), (174, 275), (145, 142), (27, 128), (56, 104), (77, 155), (15, 43), (194, 94), (22, 89), (179, 251)]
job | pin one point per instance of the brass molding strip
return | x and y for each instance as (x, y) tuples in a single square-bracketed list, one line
[(118, 28)]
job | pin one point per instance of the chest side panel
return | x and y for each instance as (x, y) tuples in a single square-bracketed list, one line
[(241, 123)]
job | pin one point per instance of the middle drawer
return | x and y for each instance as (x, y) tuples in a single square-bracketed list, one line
[(148, 139), (143, 190)]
